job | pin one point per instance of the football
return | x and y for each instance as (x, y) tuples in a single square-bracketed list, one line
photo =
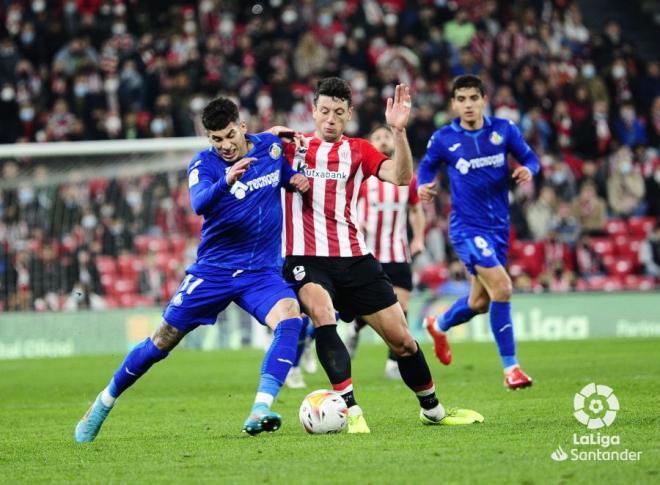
[(323, 412)]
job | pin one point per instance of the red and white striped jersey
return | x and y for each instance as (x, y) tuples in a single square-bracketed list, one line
[(383, 214), (323, 221)]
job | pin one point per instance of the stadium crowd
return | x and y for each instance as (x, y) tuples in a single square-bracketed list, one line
[(100, 69)]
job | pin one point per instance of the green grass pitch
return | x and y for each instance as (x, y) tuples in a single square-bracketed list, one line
[(181, 423)]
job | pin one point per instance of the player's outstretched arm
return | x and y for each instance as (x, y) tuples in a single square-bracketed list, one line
[(399, 169)]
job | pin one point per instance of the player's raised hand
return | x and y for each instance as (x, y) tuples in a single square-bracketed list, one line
[(522, 175), (300, 183), (426, 192), (238, 169), (397, 111)]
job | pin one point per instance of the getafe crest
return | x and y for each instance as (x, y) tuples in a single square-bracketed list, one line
[(275, 151), (495, 138)]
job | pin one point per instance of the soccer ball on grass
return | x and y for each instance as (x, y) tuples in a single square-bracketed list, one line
[(323, 412)]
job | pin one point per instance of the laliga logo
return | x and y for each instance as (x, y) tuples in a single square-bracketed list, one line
[(595, 406)]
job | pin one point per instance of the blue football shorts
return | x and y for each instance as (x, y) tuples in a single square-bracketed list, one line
[(486, 249), (204, 294)]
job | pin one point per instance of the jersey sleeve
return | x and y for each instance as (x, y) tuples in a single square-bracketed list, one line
[(371, 158), (521, 151), (206, 189), (413, 198), (430, 163)]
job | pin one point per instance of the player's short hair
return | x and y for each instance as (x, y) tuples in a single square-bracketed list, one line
[(379, 127), (467, 81), (219, 113), (334, 87)]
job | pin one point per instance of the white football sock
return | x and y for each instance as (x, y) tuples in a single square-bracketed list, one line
[(436, 413), (107, 399)]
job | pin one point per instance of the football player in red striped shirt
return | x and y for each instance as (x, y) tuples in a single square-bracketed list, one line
[(327, 258)]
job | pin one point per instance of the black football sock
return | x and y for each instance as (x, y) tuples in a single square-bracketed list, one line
[(336, 362), (417, 376), (359, 324)]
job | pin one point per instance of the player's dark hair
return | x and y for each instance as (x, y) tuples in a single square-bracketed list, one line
[(379, 127), (219, 113), (333, 87), (467, 81)]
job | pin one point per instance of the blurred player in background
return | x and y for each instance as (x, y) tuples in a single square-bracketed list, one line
[(327, 257), (475, 148), (383, 210), (235, 184)]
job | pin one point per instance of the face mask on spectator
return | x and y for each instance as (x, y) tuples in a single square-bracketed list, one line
[(26, 114), (627, 115), (588, 71), (276, 3), (325, 20), (70, 7), (190, 27), (157, 126), (625, 168), (558, 177), (119, 9), (197, 104), (226, 27), (289, 16), (118, 28), (618, 71), (25, 195), (111, 84), (113, 124), (7, 94), (80, 90), (38, 6), (27, 37), (205, 6), (264, 103)]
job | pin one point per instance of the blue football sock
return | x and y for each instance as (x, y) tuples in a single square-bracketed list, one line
[(280, 356), (501, 325), (137, 362), (458, 313), (301, 340)]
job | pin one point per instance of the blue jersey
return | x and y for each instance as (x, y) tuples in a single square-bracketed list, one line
[(478, 173), (242, 227)]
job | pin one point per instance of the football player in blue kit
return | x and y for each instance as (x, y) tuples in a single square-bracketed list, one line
[(235, 184), (475, 148)]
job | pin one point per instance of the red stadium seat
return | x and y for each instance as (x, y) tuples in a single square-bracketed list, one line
[(602, 245), (619, 267), (129, 265), (141, 243), (177, 244), (616, 226), (530, 255), (638, 282), (106, 264), (641, 225), (628, 246), (194, 225), (604, 283)]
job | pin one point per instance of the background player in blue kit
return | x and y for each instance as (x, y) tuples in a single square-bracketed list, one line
[(475, 148), (235, 184)]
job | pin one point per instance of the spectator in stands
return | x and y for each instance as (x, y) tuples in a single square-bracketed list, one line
[(540, 213), (625, 185), (460, 31), (565, 224), (649, 253), (629, 127), (588, 261), (152, 279), (590, 210), (561, 179)]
